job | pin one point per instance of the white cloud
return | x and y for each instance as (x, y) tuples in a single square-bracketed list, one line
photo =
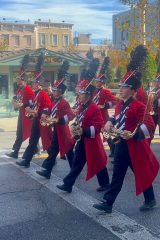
[(94, 18)]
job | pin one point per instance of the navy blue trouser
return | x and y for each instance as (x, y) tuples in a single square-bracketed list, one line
[(19, 134), (121, 163), (53, 151), (33, 141), (78, 164)]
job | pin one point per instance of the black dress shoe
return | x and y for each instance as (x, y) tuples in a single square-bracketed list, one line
[(44, 173), (148, 205), (103, 206), (12, 155), (23, 163), (65, 188), (102, 188)]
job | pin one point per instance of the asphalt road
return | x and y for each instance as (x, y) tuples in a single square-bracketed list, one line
[(33, 208)]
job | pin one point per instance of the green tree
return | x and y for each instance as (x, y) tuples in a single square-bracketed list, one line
[(121, 70), (110, 75), (89, 54), (148, 70)]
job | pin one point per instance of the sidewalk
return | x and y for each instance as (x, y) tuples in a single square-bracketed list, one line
[(8, 124)]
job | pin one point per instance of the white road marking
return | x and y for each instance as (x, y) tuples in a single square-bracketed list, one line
[(119, 224)]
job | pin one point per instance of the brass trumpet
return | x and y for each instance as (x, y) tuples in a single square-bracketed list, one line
[(116, 134), (48, 121)]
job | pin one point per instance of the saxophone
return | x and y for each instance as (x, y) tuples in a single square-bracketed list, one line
[(31, 112), (115, 134), (48, 121)]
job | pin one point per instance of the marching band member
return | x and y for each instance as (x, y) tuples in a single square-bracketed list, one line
[(23, 95), (134, 126), (62, 140), (87, 74), (34, 111), (89, 148), (104, 98)]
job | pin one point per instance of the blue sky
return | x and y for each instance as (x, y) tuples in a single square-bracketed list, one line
[(88, 16)]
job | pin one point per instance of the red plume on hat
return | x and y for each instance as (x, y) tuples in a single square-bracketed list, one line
[(22, 73), (101, 77), (87, 87), (38, 68)]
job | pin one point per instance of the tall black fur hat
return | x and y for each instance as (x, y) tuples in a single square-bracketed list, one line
[(133, 76), (103, 71), (24, 65), (38, 69)]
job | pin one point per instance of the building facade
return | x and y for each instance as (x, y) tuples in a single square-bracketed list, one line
[(10, 64), (83, 43), (19, 35), (54, 36)]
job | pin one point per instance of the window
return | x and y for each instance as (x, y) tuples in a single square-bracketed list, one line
[(3, 86), (42, 39), (28, 40), (54, 40), (65, 40), (17, 40)]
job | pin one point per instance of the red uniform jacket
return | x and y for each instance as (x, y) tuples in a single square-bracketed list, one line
[(105, 98), (64, 112), (145, 164), (142, 96), (43, 101), (26, 94), (95, 154)]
